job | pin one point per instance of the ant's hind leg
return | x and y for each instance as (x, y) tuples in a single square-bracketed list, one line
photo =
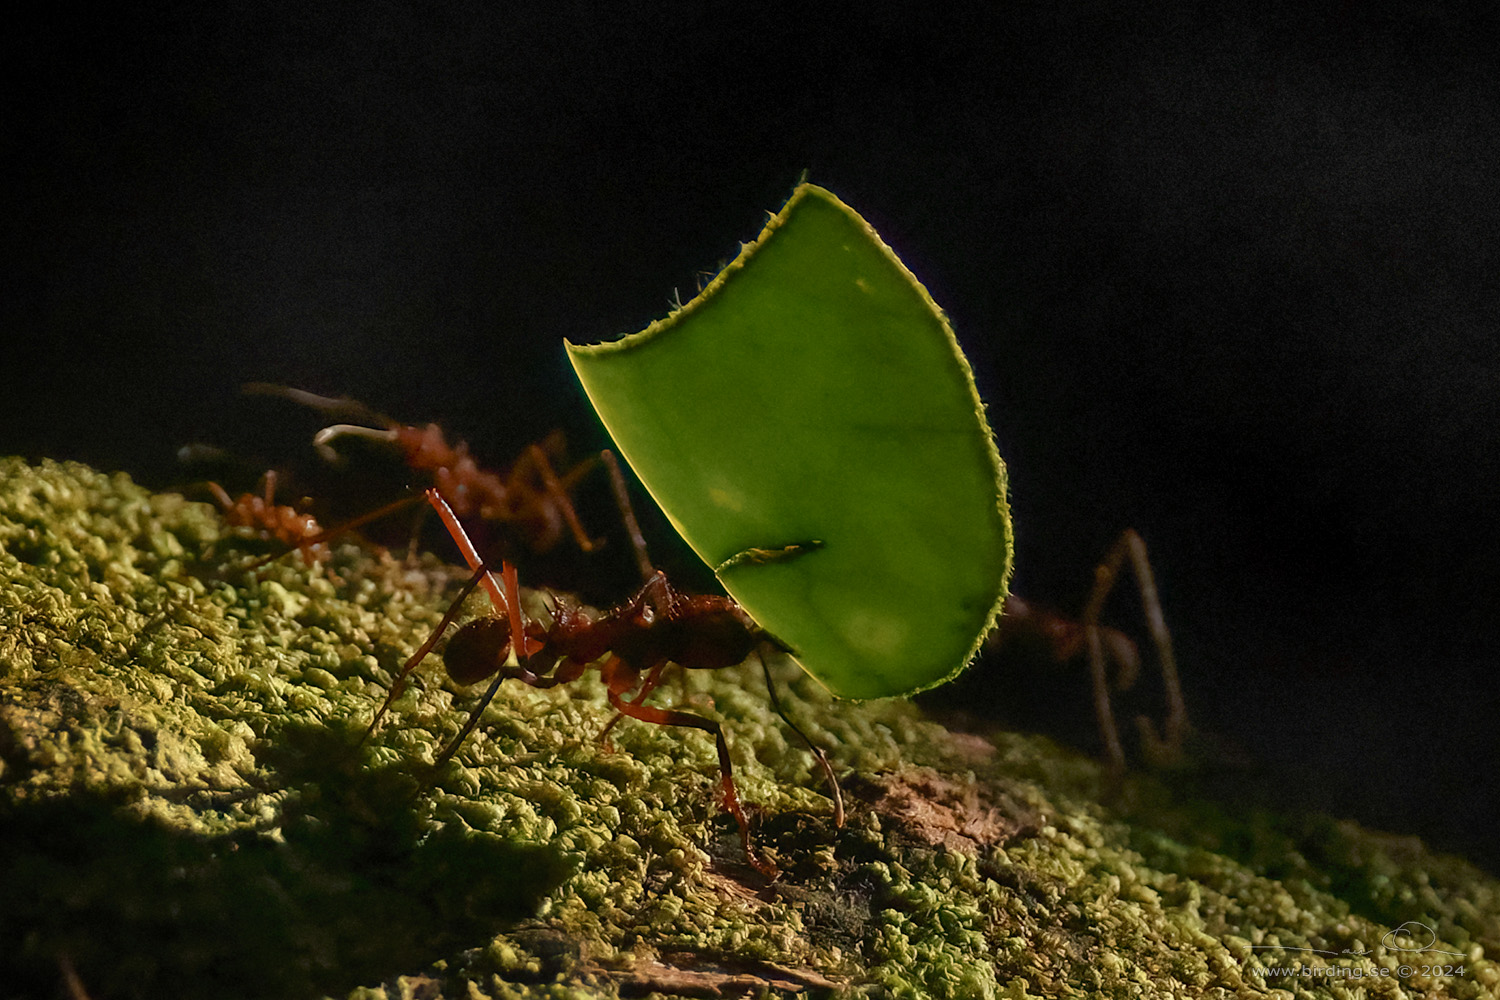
[(834, 791), (534, 460), (1159, 749), (619, 677)]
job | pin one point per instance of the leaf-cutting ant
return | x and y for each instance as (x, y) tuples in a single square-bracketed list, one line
[(1106, 647), (285, 524), (530, 497), (631, 643)]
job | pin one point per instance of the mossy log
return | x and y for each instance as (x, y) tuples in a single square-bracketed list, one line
[(186, 809)]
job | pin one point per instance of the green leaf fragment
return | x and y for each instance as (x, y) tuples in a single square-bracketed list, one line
[(811, 428)]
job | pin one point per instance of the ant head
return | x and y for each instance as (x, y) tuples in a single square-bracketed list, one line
[(478, 649)]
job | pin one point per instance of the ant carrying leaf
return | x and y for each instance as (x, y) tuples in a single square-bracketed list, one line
[(818, 439), (631, 645)]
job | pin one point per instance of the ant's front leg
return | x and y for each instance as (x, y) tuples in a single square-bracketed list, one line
[(620, 677), (565, 672), (1158, 749)]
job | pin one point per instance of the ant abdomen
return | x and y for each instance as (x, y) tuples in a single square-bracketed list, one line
[(717, 634)]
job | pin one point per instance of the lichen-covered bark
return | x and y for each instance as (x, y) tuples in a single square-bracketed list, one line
[(186, 809)]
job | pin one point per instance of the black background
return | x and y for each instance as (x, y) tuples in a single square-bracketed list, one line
[(1228, 278)]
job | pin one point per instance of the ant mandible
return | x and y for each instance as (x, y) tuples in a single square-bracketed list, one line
[(632, 644)]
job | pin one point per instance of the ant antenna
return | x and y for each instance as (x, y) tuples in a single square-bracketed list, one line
[(326, 451), (331, 406)]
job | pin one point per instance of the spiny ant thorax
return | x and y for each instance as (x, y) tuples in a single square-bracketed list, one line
[(657, 625)]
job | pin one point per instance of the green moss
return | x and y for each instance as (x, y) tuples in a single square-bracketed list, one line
[(185, 808)]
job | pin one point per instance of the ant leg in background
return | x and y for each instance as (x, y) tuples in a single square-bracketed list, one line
[(1159, 749), (627, 513), (555, 493), (642, 561)]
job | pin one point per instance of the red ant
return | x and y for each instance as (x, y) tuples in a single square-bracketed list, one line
[(530, 496), (1065, 639), (632, 644), (286, 524)]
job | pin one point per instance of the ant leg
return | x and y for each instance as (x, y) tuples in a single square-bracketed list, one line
[(472, 721), (411, 664), (535, 460), (818, 754), (619, 677), (222, 495), (507, 602), (1167, 746), (555, 447), (627, 514), (71, 981), (569, 671), (1174, 726), (268, 482), (471, 556), (647, 686), (324, 537), (513, 665), (569, 480)]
